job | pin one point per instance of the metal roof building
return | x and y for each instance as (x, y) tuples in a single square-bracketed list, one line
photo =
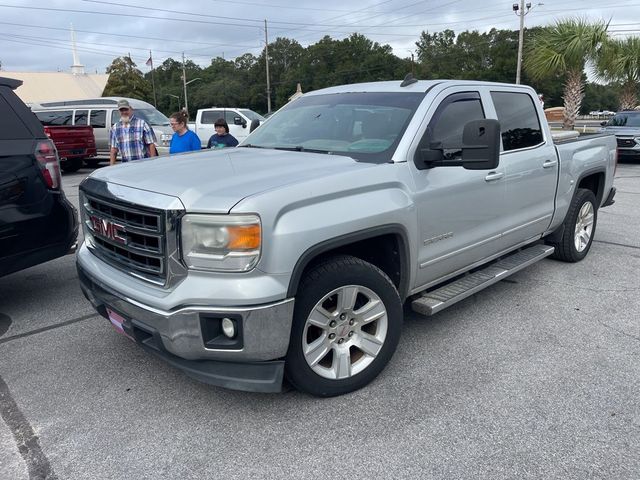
[(55, 86)]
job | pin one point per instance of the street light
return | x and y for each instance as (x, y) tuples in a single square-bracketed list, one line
[(521, 11), (176, 96), (186, 103)]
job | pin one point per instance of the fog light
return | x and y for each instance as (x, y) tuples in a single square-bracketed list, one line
[(228, 327)]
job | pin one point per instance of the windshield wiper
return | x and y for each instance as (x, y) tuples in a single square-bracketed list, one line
[(249, 145), (300, 148)]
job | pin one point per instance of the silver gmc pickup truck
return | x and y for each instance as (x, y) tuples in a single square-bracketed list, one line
[(293, 255)]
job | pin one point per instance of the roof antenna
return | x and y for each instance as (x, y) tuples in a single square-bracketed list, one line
[(408, 80)]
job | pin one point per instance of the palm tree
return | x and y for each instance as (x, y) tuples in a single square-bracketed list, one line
[(620, 62), (565, 48)]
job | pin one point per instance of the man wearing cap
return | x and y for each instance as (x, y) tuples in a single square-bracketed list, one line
[(131, 136)]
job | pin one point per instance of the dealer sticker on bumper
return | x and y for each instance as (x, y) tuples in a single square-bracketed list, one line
[(118, 322)]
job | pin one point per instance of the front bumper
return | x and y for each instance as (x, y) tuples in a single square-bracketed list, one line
[(183, 337)]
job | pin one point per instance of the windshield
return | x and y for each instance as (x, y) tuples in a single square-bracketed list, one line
[(365, 126), (251, 115), (624, 120), (152, 116)]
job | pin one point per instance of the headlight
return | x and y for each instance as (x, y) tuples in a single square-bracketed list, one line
[(228, 243)]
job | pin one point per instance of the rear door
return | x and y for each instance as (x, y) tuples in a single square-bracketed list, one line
[(531, 166)]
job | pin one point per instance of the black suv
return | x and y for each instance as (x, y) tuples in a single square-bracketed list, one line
[(37, 222)]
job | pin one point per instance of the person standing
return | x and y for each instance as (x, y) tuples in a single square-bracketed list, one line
[(183, 140), (132, 137), (222, 138)]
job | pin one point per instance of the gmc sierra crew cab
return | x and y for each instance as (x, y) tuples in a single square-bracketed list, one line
[(293, 254)]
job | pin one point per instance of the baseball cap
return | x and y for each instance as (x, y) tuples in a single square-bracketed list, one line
[(123, 104)]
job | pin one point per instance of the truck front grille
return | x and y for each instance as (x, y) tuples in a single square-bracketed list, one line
[(626, 142), (129, 237)]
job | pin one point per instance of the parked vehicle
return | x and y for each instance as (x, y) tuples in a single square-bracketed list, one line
[(238, 119), (626, 127), (37, 222), (294, 253), (75, 144), (101, 114)]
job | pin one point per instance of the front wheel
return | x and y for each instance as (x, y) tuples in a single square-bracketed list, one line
[(579, 228), (346, 326)]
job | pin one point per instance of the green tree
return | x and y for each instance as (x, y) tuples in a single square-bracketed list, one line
[(438, 55), (619, 62), (565, 48), (125, 80)]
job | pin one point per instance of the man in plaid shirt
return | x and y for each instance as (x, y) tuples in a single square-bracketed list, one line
[(131, 136)]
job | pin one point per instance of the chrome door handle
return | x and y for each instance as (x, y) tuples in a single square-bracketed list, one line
[(549, 163), (493, 176)]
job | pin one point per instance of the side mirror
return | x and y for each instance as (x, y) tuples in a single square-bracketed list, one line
[(604, 124), (255, 123), (239, 121), (481, 144)]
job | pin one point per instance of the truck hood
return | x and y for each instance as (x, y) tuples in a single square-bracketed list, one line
[(214, 181)]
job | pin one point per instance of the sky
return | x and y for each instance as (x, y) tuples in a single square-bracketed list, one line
[(35, 35)]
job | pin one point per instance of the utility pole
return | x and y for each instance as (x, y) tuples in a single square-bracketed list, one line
[(184, 86), (266, 60), (520, 11)]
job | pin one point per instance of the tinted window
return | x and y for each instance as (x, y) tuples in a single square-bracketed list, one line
[(229, 116), (115, 117), (625, 119), (98, 118), (210, 117), (11, 127), (518, 118), (81, 117), (449, 121), (55, 117)]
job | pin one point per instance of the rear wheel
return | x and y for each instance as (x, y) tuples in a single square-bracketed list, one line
[(579, 228), (346, 326), (91, 162), (71, 165)]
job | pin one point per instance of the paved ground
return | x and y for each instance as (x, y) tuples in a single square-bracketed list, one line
[(536, 377)]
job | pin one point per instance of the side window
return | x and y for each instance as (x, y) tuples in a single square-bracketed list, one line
[(210, 117), (229, 116), (519, 123), (448, 122), (81, 117), (115, 117), (11, 126), (98, 118), (53, 118)]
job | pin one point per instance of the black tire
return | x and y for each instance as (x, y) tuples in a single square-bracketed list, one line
[(92, 162), (71, 165), (336, 280), (566, 250)]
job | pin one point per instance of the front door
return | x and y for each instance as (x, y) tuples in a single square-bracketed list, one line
[(459, 211)]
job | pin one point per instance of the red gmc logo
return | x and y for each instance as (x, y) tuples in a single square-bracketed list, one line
[(108, 229)]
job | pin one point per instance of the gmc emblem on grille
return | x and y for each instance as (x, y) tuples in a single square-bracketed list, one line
[(108, 229)]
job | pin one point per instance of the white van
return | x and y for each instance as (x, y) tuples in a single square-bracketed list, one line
[(101, 114), (238, 119)]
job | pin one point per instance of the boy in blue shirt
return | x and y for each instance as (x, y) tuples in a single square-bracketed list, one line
[(222, 138)]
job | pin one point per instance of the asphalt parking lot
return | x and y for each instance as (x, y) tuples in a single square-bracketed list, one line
[(536, 377)]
